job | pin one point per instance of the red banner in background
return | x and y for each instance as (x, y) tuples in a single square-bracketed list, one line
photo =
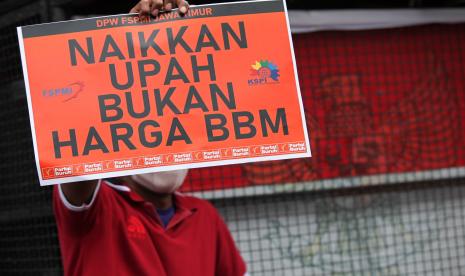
[(376, 102)]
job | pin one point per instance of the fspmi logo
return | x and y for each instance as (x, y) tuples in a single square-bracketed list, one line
[(263, 72), (67, 93)]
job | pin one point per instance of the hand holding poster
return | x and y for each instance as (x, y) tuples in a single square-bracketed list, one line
[(113, 96)]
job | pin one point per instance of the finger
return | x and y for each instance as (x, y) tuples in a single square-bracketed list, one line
[(183, 6), (144, 7), (157, 5), (135, 9), (169, 4)]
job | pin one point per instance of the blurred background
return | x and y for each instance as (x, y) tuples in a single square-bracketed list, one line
[(383, 85)]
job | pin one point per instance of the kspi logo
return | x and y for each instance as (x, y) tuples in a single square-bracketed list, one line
[(263, 72), (68, 92)]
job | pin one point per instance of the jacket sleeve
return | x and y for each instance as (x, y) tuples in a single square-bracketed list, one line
[(77, 220), (228, 259)]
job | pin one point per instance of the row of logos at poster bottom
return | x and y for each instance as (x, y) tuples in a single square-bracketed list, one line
[(173, 159)]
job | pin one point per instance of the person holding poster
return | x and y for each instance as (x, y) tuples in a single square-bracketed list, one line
[(140, 225)]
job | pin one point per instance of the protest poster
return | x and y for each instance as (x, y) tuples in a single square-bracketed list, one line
[(117, 95)]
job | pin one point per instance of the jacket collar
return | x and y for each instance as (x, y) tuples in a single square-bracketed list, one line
[(184, 207)]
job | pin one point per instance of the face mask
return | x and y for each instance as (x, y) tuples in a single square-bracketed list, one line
[(161, 182)]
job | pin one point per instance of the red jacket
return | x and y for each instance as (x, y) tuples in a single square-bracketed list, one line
[(119, 233)]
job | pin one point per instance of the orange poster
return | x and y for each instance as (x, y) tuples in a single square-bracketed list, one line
[(112, 96)]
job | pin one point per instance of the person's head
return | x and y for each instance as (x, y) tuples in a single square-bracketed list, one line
[(161, 182)]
